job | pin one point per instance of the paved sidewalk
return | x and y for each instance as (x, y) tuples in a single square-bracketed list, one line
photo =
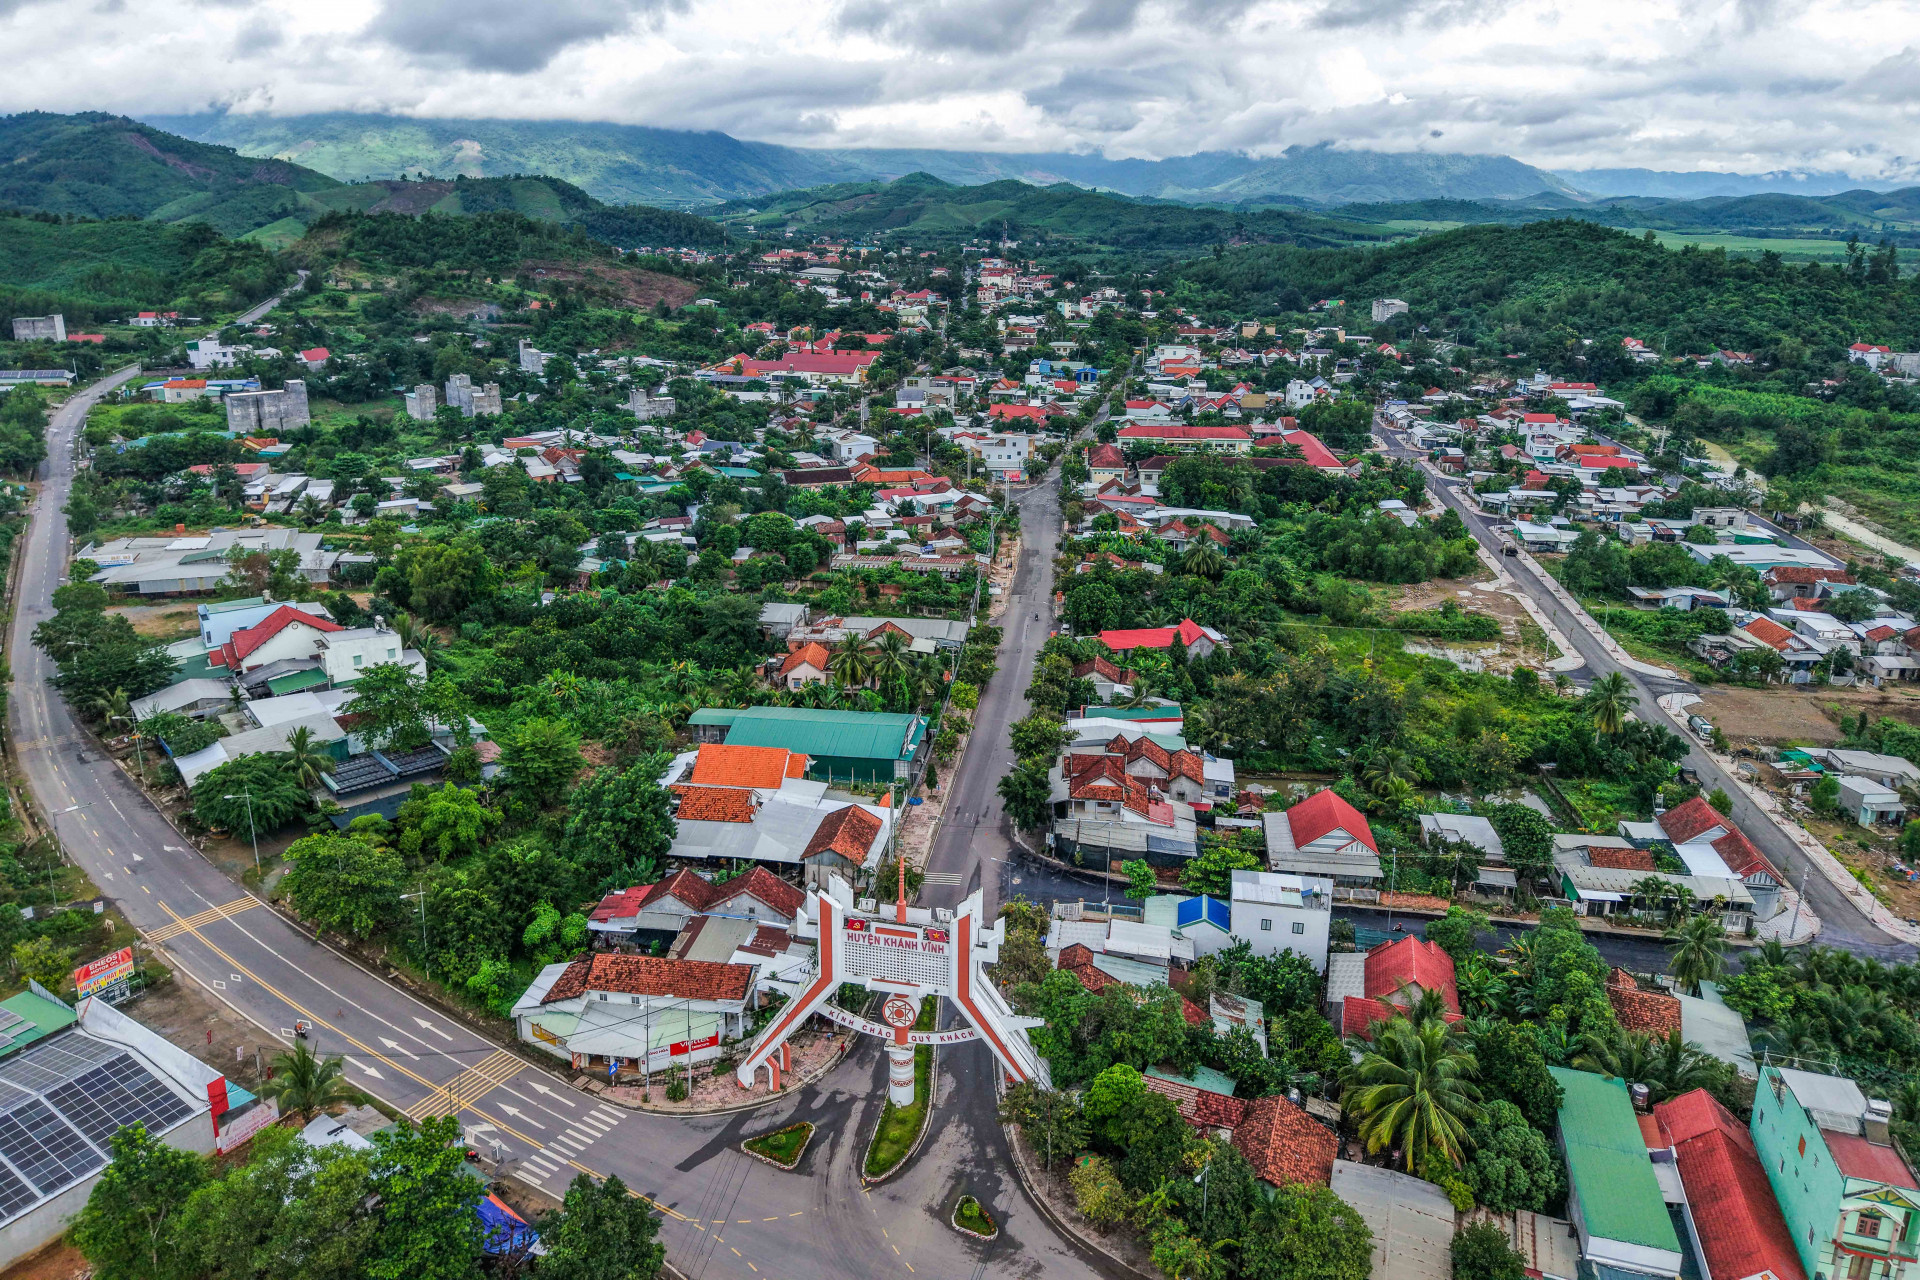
[(1593, 628), (1674, 706), (1569, 659)]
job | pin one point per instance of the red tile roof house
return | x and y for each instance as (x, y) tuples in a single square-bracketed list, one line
[(1391, 979), (285, 633), (1180, 436), (1653, 1013), (1323, 835), (662, 909), (1730, 1204), (1699, 832), (593, 1010), (1200, 641)]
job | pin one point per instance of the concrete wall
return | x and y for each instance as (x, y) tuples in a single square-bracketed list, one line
[(1808, 1187)]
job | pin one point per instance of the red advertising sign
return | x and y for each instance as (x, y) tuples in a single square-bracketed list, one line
[(104, 972), (682, 1047)]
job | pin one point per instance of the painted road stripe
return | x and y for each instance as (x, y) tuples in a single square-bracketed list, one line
[(580, 1137), (613, 1116), (187, 924), (596, 1126), (535, 1183)]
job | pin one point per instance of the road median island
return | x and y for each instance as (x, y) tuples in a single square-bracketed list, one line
[(901, 1130), (783, 1147)]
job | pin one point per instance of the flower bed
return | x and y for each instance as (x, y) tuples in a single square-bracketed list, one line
[(783, 1147), (969, 1217)]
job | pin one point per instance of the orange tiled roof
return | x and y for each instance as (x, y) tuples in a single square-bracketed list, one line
[(1621, 859), (1284, 1144), (714, 804), (1653, 1012), (720, 765), (813, 654), (653, 976), (848, 832)]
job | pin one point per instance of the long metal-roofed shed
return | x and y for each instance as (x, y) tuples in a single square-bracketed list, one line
[(840, 746), (1613, 1196)]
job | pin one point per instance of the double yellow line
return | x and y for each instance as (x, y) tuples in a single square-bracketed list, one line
[(471, 1084), (189, 924)]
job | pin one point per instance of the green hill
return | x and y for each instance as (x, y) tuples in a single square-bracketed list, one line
[(101, 166), (1540, 287), (95, 165), (95, 271), (1868, 214), (924, 209)]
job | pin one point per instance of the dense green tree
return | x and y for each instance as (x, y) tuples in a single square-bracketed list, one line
[(1513, 1166), (1307, 1233), (305, 1085), (602, 1232), (127, 1227), (621, 818), (389, 701), (541, 758), (445, 822), (345, 884), (427, 1227), (1481, 1252), (265, 795)]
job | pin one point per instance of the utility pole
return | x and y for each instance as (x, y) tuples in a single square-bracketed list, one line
[(252, 830), (59, 846)]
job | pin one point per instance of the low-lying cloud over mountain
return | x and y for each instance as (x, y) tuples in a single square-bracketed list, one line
[(1742, 86)]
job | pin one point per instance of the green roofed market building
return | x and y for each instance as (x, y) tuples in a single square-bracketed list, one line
[(1613, 1195), (840, 746)]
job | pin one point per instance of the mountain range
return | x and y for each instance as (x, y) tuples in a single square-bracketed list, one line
[(631, 163)]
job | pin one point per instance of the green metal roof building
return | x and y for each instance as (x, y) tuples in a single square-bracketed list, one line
[(1614, 1198), (841, 746), (37, 1018)]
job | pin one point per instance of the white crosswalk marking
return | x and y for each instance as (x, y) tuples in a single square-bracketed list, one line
[(580, 1137), (594, 1123), (612, 1117), (941, 877), (537, 1184)]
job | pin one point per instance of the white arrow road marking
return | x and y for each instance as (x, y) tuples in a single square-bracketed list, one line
[(358, 1065), (550, 1093), (174, 848), (515, 1111), (138, 858), (397, 1047), (428, 1026)]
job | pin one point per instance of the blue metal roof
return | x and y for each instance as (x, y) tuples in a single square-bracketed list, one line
[(1194, 911)]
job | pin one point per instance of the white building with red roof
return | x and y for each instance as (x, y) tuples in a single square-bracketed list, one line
[(1200, 641), (1711, 845), (1325, 836), (662, 909), (1176, 436), (1870, 354), (1365, 988), (284, 634)]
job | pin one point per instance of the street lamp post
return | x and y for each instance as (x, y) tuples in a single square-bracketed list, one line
[(422, 896), (252, 831), (59, 846)]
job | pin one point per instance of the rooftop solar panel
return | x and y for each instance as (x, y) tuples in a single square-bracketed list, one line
[(9, 1019), (56, 1062), (48, 1150), (15, 1195), (110, 1097)]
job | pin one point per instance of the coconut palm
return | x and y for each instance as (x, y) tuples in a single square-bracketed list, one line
[(1608, 702), (305, 1085), (1204, 559), (891, 657), (1481, 989), (417, 635), (113, 707), (1798, 1037), (309, 510), (1414, 1092), (1699, 946), (304, 759), (849, 663)]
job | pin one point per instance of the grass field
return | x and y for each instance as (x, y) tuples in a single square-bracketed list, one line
[(1809, 250)]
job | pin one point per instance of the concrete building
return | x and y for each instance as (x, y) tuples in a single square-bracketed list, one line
[(1376, 985), (1411, 1218), (1849, 1198), (606, 1012), (1387, 309), (65, 1089), (423, 402), (1323, 835), (532, 359), (1613, 1196), (51, 328), (269, 413), (470, 400), (1276, 913)]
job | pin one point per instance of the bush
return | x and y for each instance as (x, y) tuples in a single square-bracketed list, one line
[(676, 1090), (1098, 1193), (1481, 1252)]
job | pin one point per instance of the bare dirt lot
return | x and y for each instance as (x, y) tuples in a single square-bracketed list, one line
[(634, 286), (1519, 643), (173, 621), (1781, 715)]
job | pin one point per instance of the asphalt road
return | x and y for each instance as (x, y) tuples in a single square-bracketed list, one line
[(1842, 925), (725, 1213)]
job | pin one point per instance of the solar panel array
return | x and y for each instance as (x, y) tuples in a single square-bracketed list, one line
[(61, 1102)]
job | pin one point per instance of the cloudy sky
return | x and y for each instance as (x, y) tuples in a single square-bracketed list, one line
[(1732, 85)]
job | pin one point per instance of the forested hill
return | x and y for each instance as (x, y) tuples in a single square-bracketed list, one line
[(1543, 287), (96, 165), (923, 208), (101, 166)]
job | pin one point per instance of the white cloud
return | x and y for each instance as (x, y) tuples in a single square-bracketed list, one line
[(1676, 84)]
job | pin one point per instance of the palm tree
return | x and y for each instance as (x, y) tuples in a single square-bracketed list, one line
[(891, 657), (1798, 1037), (1481, 989), (417, 635), (1204, 560), (1699, 948), (114, 706), (304, 759), (1413, 1091), (849, 663), (1608, 701), (1385, 764), (308, 510), (305, 1085)]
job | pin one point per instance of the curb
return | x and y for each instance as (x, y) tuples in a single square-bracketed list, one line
[(797, 1156), (1083, 1244), (652, 1109), (953, 1220), (926, 1127)]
